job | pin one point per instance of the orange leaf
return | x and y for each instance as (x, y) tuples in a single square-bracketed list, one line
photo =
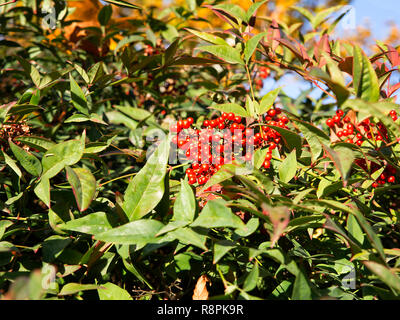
[(200, 291)]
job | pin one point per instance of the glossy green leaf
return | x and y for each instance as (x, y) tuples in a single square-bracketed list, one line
[(251, 280), (110, 291), (221, 248), (83, 185), (137, 232), (216, 214), (93, 223), (251, 45), (73, 288), (301, 288), (146, 189), (231, 107), (268, 100), (78, 98), (185, 203), (28, 161), (61, 155), (387, 276), (288, 167), (224, 52), (365, 80)]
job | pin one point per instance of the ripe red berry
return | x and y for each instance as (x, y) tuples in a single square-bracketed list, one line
[(206, 123), (231, 116), (238, 119), (192, 180), (340, 113), (190, 120), (272, 112), (392, 179), (266, 164), (330, 123)]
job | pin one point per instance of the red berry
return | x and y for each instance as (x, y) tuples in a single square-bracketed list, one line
[(206, 123), (330, 123), (231, 116), (238, 119), (272, 112), (190, 120), (266, 164), (392, 179), (340, 113)]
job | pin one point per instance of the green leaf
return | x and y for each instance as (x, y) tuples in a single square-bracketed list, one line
[(104, 15), (251, 280), (4, 224), (72, 288), (314, 136), (291, 139), (146, 189), (185, 204), (253, 8), (288, 167), (342, 157), (83, 185), (30, 70), (251, 45), (78, 98), (224, 52), (208, 37), (170, 52), (388, 276), (110, 291), (231, 107), (38, 143), (306, 13), (190, 237), (42, 190), (365, 80), (301, 288), (124, 4), (137, 232), (11, 163), (233, 10), (216, 214), (93, 223), (53, 246), (61, 155), (221, 248), (268, 100), (354, 229), (28, 161)]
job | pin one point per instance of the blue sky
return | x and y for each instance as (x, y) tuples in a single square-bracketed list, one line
[(378, 13), (373, 14)]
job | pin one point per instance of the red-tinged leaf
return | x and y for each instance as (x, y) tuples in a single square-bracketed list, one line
[(393, 56), (322, 46), (279, 217), (300, 53), (273, 36), (393, 89), (346, 65)]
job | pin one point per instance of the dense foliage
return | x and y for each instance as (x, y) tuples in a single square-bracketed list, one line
[(140, 158)]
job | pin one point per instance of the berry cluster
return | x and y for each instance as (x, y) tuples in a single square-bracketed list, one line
[(357, 134), (224, 139)]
